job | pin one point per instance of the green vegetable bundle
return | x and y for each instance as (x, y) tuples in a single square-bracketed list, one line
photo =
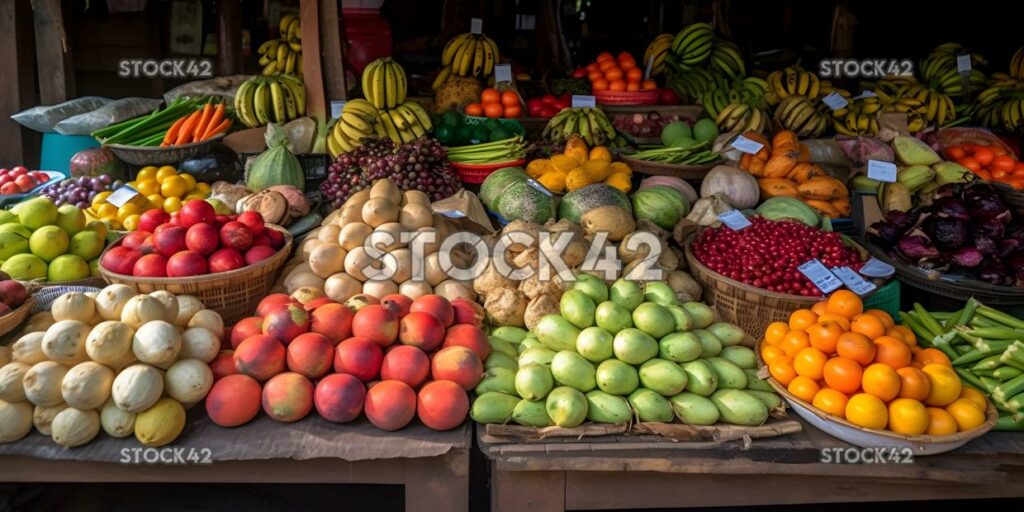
[(692, 155), (148, 130), (506, 150)]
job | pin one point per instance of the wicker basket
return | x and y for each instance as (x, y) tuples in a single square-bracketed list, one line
[(626, 97), (685, 172), (12, 320), (158, 155), (234, 295), (95, 282)]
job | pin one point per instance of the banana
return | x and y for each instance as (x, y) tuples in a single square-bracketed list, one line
[(282, 55), (451, 49), (402, 87), (803, 84), (489, 56), (378, 128), (294, 31), (570, 124), (295, 46), (478, 58), (289, 67), (332, 147), (339, 139), (421, 115), (390, 85), (405, 133), (261, 99), (298, 91), (466, 57), (243, 103), (367, 80), (411, 120), (442, 75), (284, 22), (379, 86), (356, 121), (389, 127), (269, 47), (270, 68), (291, 109), (277, 102)]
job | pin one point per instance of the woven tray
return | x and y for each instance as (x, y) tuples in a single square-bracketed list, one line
[(157, 155), (626, 97), (778, 425), (686, 172)]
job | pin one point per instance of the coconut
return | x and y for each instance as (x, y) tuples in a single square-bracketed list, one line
[(161, 424), (141, 309), (157, 343), (75, 427), (15, 420), (64, 342), (42, 383), (12, 376), (73, 306), (87, 385), (29, 348), (111, 300), (188, 381), (199, 343), (170, 303), (110, 343), (115, 422), (42, 417), (208, 319), (137, 388), (188, 305)]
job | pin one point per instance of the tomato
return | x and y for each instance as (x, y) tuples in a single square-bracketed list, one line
[(984, 156), (983, 174), (513, 111), (956, 152), (998, 151), (970, 163), (579, 73), (1002, 163), (1017, 183), (534, 106), (666, 96), (998, 174)]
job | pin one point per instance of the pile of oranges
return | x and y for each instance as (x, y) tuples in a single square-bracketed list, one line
[(495, 104), (859, 365), (609, 73), (990, 163)]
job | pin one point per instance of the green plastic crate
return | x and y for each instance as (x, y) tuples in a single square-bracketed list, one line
[(887, 298)]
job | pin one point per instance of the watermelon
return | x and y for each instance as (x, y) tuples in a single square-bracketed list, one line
[(580, 201), (497, 182), (525, 201), (97, 162), (660, 204)]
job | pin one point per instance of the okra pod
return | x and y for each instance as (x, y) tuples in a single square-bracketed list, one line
[(945, 315), (910, 320), (962, 348), (927, 321), (1014, 353), (1015, 403), (998, 333), (1008, 389), (980, 321), (987, 374), (989, 363), (990, 383), (972, 380), (1006, 423), (999, 316), (973, 356), (968, 311), (1005, 373)]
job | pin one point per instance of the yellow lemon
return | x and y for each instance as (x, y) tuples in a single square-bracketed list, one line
[(154, 201), (106, 211), (148, 187), (131, 222), (146, 173), (173, 186), (172, 204), (203, 188), (189, 179), (101, 198), (126, 210), (165, 172)]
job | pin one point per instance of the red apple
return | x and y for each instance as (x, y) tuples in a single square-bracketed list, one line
[(202, 238), (135, 239), (276, 238), (236, 235), (120, 260), (225, 259), (170, 241), (261, 239), (252, 220), (152, 218), (186, 263), (147, 246), (195, 211), (258, 253), (150, 265)]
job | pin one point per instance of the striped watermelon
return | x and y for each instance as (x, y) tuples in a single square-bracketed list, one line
[(662, 205)]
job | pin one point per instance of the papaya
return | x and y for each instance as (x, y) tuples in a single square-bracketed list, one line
[(539, 167), (620, 181), (564, 163), (576, 148), (600, 153), (553, 181), (804, 171), (756, 136), (823, 207), (621, 168), (756, 168), (576, 179), (745, 161), (823, 188), (779, 165), (842, 205), (805, 153), (596, 170), (775, 187), (763, 154), (784, 137)]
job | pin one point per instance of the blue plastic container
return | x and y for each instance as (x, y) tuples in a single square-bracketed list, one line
[(58, 149)]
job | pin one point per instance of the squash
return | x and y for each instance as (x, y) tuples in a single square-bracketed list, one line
[(577, 179), (553, 181), (756, 137), (75, 427), (110, 343), (42, 417), (738, 187), (539, 167), (825, 208), (596, 170), (620, 181), (662, 205), (804, 171), (621, 168), (15, 420), (199, 343), (776, 187), (275, 166), (87, 385), (73, 306), (842, 205), (115, 422), (137, 388), (576, 148), (42, 383), (600, 153), (779, 165), (188, 381), (563, 163), (160, 424), (824, 188), (608, 219)]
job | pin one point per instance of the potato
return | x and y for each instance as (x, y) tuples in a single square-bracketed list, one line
[(491, 279), (683, 283), (538, 307), (532, 287), (506, 306)]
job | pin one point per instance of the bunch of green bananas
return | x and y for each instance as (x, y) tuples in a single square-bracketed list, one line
[(384, 83), (749, 91), (283, 55), (859, 117), (726, 57), (467, 55), (361, 120), (741, 117), (656, 53), (1001, 106), (589, 123), (1017, 64), (692, 46), (794, 81), (691, 85), (801, 115), (934, 106), (939, 70), (270, 99)]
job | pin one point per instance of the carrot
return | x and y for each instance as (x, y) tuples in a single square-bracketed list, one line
[(197, 132), (185, 134), (215, 120), (221, 128), (172, 132)]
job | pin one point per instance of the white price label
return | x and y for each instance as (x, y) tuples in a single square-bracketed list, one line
[(502, 73), (122, 195), (853, 281), (868, 93), (835, 101), (734, 219), (746, 145), (452, 214), (476, 25), (821, 276), (882, 171), (337, 106), (963, 63), (877, 268), (581, 101)]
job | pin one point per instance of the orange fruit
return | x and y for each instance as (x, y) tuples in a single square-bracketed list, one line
[(627, 65), (882, 381), (617, 85), (769, 353), (820, 308), (891, 351), (843, 374), (632, 86), (603, 56), (893, 333), (513, 111), (794, 342), (886, 318), (844, 303), (867, 411), (474, 109), (832, 317), (592, 67), (974, 396), (613, 74), (803, 388), (490, 96), (599, 85), (945, 385), (774, 333), (634, 75), (781, 369), (933, 355), (802, 319), (624, 57), (831, 401), (494, 110), (606, 65), (868, 325), (908, 335), (595, 75), (913, 383), (810, 362), (908, 417), (824, 336), (966, 413), (510, 99), (856, 346), (648, 85), (940, 422)]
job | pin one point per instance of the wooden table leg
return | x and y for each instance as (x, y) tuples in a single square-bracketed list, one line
[(533, 491), (438, 483)]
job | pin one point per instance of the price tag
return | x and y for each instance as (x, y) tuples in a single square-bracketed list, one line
[(452, 214), (581, 101), (734, 219), (822, 277), (746, 145), (853, 281), (540, 188), (835, 101), (476, 25), (868, 93), (877, 268), (122, 195), (963, 63), (336, 107), (882, 171), (502, 73)]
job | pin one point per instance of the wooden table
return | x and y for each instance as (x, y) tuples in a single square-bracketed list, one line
[(650, 472)]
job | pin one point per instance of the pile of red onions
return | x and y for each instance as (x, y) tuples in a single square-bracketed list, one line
[(767, 253)]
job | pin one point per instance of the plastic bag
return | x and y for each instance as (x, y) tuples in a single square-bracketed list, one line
[(219, 87), (44, 118), (111, 113)]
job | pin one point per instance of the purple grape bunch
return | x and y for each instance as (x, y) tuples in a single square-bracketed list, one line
[(80, 191), (418, 165)]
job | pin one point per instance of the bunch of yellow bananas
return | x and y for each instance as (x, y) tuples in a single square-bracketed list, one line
[(283, 55), (361, 120), (467, 55), (384, 83), (270, 99), (656, 53)]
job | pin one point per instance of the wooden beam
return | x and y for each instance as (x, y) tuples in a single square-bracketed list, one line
[(229, 37), (312, 71), (20, 146), (331, 51), (53, 53)]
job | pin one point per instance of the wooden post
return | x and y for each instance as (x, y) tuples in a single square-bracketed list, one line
[(20, 145), (312, 74), (53, 54), (332, 52), (229, 37)]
